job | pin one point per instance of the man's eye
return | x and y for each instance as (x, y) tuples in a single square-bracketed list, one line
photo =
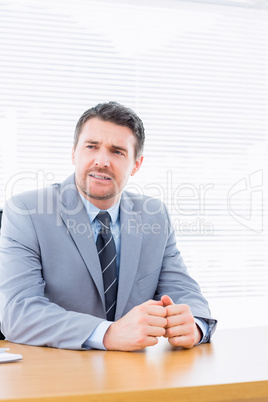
[(117, 152), (90, 146)]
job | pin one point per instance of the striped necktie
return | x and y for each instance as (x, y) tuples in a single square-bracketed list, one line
[(107, 255)]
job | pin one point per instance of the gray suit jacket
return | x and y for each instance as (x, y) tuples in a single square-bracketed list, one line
[(51, 287)]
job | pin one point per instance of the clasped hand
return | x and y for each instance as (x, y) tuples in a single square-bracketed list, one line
[(144, 324)]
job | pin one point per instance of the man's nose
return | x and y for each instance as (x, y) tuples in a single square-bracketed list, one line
[(102, 159)]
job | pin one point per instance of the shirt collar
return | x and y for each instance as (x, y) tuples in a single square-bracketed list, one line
[(93, 211)]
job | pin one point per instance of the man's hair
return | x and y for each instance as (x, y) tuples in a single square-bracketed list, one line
[(113, 112)]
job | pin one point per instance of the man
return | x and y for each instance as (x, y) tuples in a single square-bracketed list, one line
[(73, 276)]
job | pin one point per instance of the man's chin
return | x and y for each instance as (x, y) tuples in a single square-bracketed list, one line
[(99, 195)]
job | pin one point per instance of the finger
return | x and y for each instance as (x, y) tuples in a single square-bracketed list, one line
[(158, 311), (153, 303), (178, 309), (186, 319), (156, 331), (167, 301), (184, 341), (175, 320), (175, 331), (145, 341), (151, 340), (187, 330), (156, 321)]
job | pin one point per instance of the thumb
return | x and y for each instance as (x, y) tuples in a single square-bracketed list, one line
[(154, 302), (167, 301)]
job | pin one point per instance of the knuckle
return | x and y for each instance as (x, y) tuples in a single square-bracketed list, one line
[(192, 339), (174, 341), (191, 319), (141, 319), (186, 307), (140, 308), (163, 312), (168, 310), (141, 340), (162, 331), (171, 332), (167, 333)]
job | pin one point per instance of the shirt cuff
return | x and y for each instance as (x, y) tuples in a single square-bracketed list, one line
[(95, 340), (204, 327)]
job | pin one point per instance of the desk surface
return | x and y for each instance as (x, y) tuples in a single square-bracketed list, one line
[(234, 367)]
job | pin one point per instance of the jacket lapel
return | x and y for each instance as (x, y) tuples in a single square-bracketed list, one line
[(131, 241), (75, 218)]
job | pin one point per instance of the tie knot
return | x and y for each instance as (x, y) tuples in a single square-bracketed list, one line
[(105, 219)]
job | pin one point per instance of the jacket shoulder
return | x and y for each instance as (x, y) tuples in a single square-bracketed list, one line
[(144, 203), (41, 196)]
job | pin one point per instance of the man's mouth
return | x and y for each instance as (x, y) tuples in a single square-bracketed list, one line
[(96, 176)]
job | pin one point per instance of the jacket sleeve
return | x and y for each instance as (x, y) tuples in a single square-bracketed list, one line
[(26, 315)]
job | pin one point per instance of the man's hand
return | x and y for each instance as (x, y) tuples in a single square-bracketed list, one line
[(181, 329), (139, 328)]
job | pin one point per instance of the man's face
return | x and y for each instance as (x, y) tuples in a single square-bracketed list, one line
[(104, 158)]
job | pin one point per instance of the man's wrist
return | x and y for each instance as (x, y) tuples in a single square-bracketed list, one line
[(95, 340), (203, 328), (199, 334)]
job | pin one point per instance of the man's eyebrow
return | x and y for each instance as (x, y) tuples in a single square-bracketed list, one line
[(91, 142), (119, 148), (113, 146)]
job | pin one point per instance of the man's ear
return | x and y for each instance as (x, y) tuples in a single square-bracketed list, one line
[(73, 157), (137, 165)]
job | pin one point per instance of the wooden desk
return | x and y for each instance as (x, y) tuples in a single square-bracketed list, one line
[(234, 367)]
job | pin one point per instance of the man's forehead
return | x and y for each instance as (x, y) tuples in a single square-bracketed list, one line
[(98, 130)]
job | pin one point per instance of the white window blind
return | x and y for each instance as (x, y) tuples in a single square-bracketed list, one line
[(197, 75)]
